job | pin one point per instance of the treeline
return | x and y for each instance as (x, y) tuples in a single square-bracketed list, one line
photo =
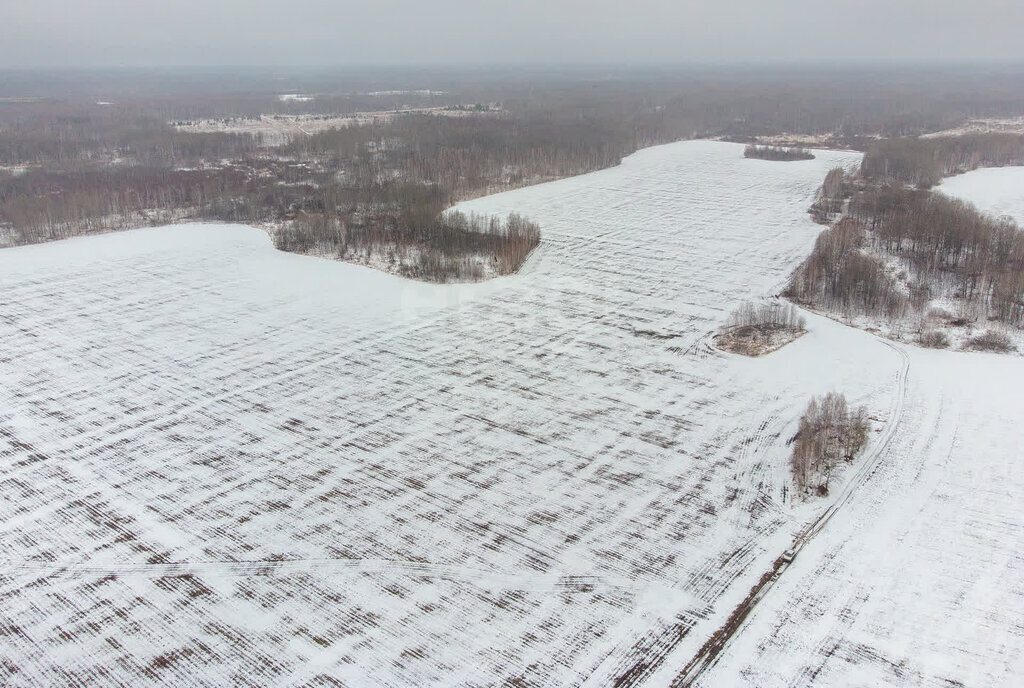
[(467, 156), (445, 248), (946, 241), (898, 247), (839, 276), (47, 204), (830, 433), (923, 162), (780, 153), (831, 196), (93, 166), (58, 133)]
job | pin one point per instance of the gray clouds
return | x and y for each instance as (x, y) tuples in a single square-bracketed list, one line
[(69, 33)]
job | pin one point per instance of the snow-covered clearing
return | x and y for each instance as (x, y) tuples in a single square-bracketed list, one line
[(278, 129), (988, 125), (919, 581), (997, 191), (223, 464)]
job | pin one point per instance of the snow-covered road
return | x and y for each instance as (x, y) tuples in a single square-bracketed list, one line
[(920, 581), (222, 464)]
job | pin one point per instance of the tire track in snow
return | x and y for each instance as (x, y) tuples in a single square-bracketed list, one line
[(719, 640)]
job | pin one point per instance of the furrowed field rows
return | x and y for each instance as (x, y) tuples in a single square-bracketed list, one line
[(919, 581), (223, 464)]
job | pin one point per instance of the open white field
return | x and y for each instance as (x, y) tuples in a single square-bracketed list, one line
[(998, 191), (920, 580), (224, 465)]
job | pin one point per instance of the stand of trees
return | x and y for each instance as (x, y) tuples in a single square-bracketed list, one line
[(781, 153), (773, 315), (839, 276), (923, 162), (945, 241), (830, 432), (91, 166), (944, 247), (443, 248)]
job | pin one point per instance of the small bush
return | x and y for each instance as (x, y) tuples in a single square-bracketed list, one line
[(936, 313), (933, 339), (991, 340)]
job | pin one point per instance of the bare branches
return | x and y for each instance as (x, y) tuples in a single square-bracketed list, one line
[(754, 330), (990, 340), (839, 276), (943, 239), (780, 153), (768, 315), (923, 162), (830, 432), (833, 192), (447, 247)]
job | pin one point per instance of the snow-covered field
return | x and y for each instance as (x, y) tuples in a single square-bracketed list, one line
[(997, 191), (919, 581), (225, 465)]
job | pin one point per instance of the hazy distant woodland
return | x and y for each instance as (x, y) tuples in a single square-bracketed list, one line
[(368, 160)]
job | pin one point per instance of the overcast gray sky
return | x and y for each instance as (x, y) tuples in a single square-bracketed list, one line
[(61, 33)]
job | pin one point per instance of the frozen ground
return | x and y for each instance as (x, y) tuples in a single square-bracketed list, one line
[(222, 464), (998, 191), (920, 581)]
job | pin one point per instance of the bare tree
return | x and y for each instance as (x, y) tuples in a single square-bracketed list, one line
[(829, 433)]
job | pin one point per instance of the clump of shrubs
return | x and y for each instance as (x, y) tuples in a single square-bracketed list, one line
[(933, 339), (753, 330), (990, 340)]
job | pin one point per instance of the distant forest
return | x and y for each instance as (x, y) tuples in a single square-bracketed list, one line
[(100, 151), (923, 162)]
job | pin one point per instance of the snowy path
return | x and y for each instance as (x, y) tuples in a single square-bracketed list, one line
[(710, 653), (226, 465), (920, 581)]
